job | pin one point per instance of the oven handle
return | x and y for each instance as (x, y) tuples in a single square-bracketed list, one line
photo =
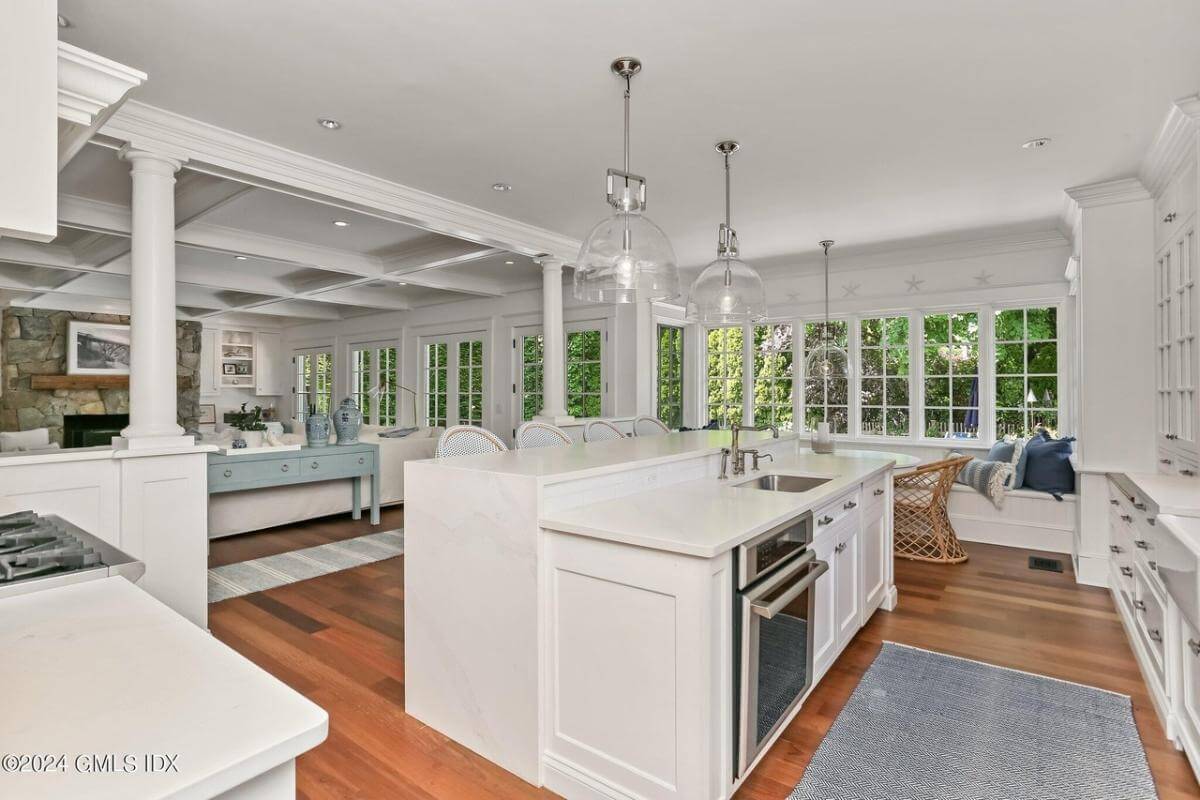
[(769, 610)]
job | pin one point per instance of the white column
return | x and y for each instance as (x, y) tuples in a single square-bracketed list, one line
[(554, 407), (152, 381)]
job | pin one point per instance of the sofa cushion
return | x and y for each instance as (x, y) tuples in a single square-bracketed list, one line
[(21, 441), (1012, 451), (989, 478), (1048, 467)]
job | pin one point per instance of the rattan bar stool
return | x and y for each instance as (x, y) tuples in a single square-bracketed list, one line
[(922, 525)]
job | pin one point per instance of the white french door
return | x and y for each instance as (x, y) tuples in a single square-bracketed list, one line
[(453, 379), (584, 371), (312, 381)]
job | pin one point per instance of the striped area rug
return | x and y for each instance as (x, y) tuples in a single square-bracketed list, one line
[(927, 726), (258, 574)]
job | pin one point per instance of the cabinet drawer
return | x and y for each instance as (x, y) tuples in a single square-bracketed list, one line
[(337, 465), (233, 473), (1150, 616), (1189, 700), (836, 510), (875, 491)]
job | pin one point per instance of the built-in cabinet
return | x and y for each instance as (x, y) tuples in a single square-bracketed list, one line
[(244, 360), (1176, 322)]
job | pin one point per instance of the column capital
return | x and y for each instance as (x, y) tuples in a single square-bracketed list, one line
[(550, 264), (150, 159)]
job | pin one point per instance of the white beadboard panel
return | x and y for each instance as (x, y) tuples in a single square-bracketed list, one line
[(1033, 520)]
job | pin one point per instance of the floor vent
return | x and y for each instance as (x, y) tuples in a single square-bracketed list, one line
[(1047, 564)]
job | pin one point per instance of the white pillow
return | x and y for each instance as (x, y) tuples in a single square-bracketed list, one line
[(18, 441)]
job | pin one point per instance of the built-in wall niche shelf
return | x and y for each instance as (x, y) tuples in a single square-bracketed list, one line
[(237, 359), (76, 382)]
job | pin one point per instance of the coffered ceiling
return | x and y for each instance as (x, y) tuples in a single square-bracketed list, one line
[(250, 253)]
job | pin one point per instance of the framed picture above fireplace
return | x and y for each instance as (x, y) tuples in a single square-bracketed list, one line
[(97, 348)]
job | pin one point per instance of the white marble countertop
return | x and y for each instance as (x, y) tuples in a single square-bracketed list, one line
[(102, 667), (580, 460), (709, 517), (1173, 494), (1186, 530)]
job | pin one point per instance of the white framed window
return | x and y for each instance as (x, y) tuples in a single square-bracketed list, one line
[(453, 377), (312, 382), (669, 381), (951, 386), (773, 364), (826, 399), (1026, 357), (584, 371), (373, 382), (724, 383), (884, 376)]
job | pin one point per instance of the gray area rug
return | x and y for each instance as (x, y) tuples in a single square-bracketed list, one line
[(926, 726), (244, 577)]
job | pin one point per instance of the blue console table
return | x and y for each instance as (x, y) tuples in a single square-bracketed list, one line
[(306, 465)]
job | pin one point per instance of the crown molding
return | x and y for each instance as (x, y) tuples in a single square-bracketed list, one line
[(1108, 193), (90, 89), (222, 152), (1176, 139), (915, 252)]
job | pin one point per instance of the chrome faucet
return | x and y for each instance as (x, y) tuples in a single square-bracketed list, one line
[(738, 454)]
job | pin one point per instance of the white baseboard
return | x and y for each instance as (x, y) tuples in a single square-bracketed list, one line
[(575, 783)]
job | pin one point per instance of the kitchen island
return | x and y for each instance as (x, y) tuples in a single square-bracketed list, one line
[(569, 612)]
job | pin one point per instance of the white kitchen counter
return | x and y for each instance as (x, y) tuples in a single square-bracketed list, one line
[(710, 516), (1173, 494), (103, 668)]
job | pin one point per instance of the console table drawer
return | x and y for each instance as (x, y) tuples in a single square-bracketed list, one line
[(232, 474), (334, 465)]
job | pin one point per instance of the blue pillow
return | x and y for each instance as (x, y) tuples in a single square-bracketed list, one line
[(1048, 467), (1005, 451), (989, 478)]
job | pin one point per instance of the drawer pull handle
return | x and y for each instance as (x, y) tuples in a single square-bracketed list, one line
[(1155, 635), (1126, 518), (284, 467), (1141, 544), (315, 465), (1112, 548), (360, 459), (1172, 436), (1194, 646), (1127, 572), (1187, 472), (849, 504), (1152, 565), (825, 520), (228, 473), (1140, 506), (878, 492), (1140, 605), (840, 548), (1113, 503), (1166, 461)]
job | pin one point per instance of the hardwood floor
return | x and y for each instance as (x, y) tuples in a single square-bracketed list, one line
[(339, 640), (243, 547)]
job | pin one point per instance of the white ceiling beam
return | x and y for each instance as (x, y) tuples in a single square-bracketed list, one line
[(238, 242), (93, 215), (432, 253), (20, 251), (462, 284), (303, 309), (197, 195), (228, 154), (361, 296)]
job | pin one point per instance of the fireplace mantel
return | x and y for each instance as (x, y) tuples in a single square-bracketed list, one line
[(91, 382)]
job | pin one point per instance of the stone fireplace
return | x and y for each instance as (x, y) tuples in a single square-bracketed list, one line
[(33, 343)]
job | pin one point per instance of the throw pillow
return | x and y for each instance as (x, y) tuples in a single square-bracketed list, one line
[(1049, 467), (989, 478), (17, 441), (1012, 450)]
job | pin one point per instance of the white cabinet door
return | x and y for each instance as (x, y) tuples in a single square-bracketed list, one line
[(824, 620), (268, 375), (1188, 704), (847, 585), (874, 547), (208, 361)]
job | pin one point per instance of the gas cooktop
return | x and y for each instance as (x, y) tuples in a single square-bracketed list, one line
[(38, 552)]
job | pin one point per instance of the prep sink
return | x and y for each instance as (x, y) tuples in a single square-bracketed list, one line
[(784, 483)]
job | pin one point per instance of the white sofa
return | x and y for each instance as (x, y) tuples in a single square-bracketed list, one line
[(255, 509)]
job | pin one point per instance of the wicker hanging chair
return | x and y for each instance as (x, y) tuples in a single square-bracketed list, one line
[(922, 525)]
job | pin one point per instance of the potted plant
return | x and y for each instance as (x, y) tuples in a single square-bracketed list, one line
[(249, 424)]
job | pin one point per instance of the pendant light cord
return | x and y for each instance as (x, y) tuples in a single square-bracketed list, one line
[(628, 81), (728, 224), (825, 329)]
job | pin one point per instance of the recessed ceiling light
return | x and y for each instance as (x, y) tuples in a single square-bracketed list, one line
[(401, 283), (510, 263), (341, 223), (328, 124), (501, 187), (239, 258), (63, 22), (1034, 144)]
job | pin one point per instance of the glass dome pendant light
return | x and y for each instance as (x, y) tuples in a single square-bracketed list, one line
[(626, 258), (728, 291), (827, 360)]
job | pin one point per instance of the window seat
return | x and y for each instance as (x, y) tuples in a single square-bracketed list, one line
[(1029, 519)]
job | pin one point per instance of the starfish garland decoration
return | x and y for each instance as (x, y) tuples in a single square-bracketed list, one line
[(984, 278), (850, 290), (914, 285)]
